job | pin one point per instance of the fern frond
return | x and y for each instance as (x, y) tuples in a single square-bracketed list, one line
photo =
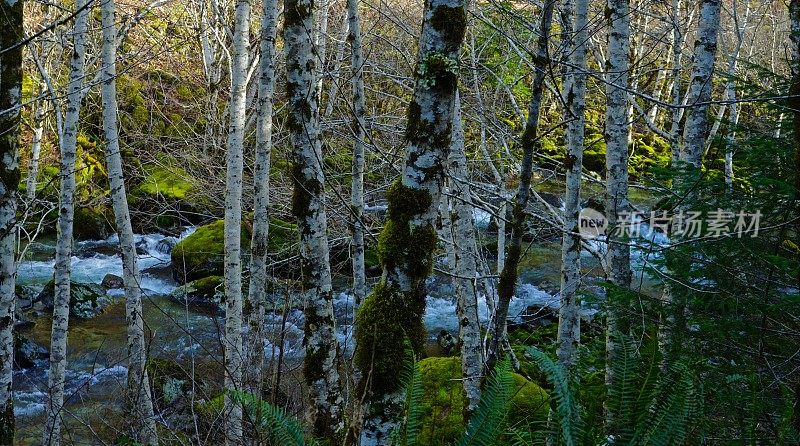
[(488, 421), (284, 429), (567, 412)]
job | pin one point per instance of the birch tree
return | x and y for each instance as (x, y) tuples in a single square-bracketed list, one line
[(143, 427), (617, 131), (530, 142), (463, 263), (393, 311), (357, 187), (260, 240), (60, 323), (575, 102), (10, 105), (696, 129), (233, 221), (678, 38), (692, 148), (308, 205)]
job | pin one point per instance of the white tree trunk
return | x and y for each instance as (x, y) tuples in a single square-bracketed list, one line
[(143, 425), (308, 205), (393, 311), (575, 94), (678, 38), (464, 262), (359, 133), (36, 149), (333, 93), (233, 221), (695, 131), (260, 242), (10, 107), (617, 130), (58, 340)]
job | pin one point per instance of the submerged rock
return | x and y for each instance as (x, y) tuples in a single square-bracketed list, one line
[(26, 352), (87, 300), (205, 292), (112, 281)]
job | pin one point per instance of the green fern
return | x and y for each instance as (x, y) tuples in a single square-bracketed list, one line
[(489, 419), (567, 413), (411, 380), (281, 428)]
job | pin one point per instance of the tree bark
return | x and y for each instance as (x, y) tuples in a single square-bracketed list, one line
[(357, 187), (678, 38), (463, 263), (393, 311), (530, 142), (11, 12), (257, 293), (617, 131), (321, 364), (695, 133), (58, 340), (233, 221), (575, 94), (696, 129), (143, 425)]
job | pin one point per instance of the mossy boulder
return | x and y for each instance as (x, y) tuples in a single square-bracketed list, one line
[(168, 182), (168, 378), (203, 292), (92, 223), (202, 253), (444, 400), (87, 300)]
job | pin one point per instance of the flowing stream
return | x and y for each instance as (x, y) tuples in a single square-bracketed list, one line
[(97, 348)]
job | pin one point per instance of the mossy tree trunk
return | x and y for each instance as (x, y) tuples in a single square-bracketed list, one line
[(233, 221), (569, 327), (66, 212), (617, 128), (10, 107), (321, 371), (530, 142), (393, 311), (359, 133), (143, 423), (257, 293)]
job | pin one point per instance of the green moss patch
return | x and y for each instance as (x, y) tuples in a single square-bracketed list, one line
[(444, 400), (169, 182)]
